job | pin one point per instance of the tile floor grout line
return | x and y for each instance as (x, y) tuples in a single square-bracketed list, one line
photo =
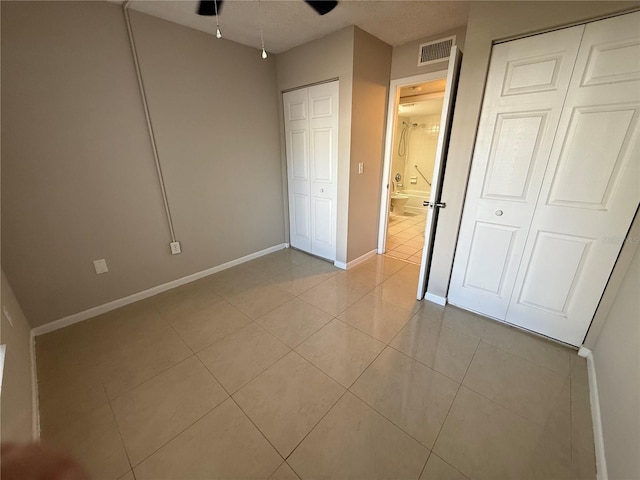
[(425, 463), (435, 442), (260, 431), (179, 433), (124, 447)]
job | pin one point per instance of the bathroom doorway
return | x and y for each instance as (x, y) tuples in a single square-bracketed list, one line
[(416, 126), (404, 233)]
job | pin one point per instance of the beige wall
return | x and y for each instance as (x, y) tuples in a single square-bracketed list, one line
[(79, 180), (489, 21), (328, 58), (617, 361), (16, 417), (371, 67), (404, 61)]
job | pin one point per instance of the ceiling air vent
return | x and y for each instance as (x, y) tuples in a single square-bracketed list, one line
[(437, 51)]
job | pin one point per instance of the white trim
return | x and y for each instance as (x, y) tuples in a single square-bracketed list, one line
[(394, 98), (35, 402), (357, 261), (121, 302), (596, 419), (442, 301)]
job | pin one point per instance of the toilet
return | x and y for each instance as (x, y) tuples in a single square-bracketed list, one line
[(398, 201)]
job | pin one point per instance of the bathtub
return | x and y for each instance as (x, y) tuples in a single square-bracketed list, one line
[(416, 197)]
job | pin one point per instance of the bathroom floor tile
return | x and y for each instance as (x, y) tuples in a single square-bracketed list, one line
[(341, 351), (153, 413), (294, 322), (287, 400), (355, 442), (410, 394), (242, 356), (224, 444)]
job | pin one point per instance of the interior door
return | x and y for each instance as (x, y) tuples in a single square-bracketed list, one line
[(446, 116), (591, 188), (311, 130), (527, 84), (296, 116)]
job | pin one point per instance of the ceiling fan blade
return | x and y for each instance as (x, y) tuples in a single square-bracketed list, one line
[(208, 8), (322, 6)]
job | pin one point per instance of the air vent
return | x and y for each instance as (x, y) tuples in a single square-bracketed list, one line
[(437, 51)]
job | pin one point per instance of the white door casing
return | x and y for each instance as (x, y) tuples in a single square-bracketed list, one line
[(546, 269), (446, 116), (311, 131), (591, 188), (527, 83)]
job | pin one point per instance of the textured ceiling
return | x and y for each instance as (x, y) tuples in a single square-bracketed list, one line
[(290, 23)]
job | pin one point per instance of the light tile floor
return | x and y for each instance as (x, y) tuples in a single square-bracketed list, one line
[(405, 237), (286, 367)]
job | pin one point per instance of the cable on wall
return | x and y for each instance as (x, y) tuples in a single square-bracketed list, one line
[(152, 138)]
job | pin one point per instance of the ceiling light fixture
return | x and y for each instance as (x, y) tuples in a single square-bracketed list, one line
[(218, 32), (264, 52)]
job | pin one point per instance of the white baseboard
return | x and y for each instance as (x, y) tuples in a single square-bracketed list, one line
[(35, 402), (357, 261), (596, 419), (121, 302), (442, 301)]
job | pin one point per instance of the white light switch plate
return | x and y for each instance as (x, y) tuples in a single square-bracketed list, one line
[(360, 168), (175, 248), (100, 266)]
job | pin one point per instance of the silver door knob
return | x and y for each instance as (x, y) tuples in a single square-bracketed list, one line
[(322, 190), (499, 213)]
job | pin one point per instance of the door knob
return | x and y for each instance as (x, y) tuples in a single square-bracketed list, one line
[(499, 213), (322, 190), (431, 205)]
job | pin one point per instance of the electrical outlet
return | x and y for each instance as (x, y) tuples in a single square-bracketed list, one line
[(175, 248), (7, 315), (100, 266)]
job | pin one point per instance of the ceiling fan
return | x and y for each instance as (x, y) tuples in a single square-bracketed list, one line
[(211, 8)]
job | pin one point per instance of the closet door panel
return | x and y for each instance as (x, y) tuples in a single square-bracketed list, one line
[(527, 84), (591, 188)]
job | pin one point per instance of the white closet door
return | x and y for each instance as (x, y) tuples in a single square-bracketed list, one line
[(296, 115), (311, 129), (591, 188), (527, 83)]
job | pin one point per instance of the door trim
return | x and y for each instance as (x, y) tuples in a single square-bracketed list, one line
[(394, 100)]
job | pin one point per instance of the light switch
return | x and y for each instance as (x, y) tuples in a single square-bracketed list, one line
[(360, 168)]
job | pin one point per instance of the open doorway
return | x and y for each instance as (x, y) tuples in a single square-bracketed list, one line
[(405, 227), (415, 139)]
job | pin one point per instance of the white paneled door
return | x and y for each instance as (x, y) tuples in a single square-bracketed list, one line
[(555, 180), (311, 131)]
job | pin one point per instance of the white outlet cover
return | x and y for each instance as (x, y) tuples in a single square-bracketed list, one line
[(175, 248), (100, 266)]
